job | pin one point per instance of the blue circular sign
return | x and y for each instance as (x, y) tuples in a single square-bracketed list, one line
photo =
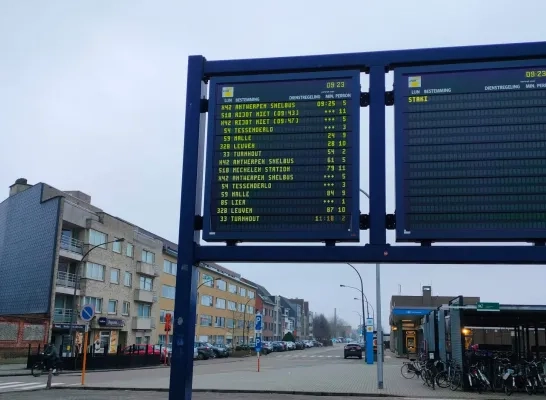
[(87, 313)]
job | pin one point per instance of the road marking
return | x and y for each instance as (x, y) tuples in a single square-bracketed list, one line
[(19, 386)]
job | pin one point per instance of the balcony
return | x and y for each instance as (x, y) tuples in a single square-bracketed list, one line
[(71, 248), (62, 316), (144, 296), (146, 269), (141, 323), (65, 283)]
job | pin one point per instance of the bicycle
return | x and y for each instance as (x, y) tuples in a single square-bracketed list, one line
[(40, 367)]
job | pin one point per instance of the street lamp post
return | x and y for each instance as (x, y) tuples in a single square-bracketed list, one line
[(368, 305), (76, 284), (379, 327), (363, 297)]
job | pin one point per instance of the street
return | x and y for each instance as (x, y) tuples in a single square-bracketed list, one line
[(312, 370)]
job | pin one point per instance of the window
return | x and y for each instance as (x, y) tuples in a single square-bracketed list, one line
[(116, 247), (230, 323), (94, 271), (240, 324), (242, 292), (144, 310), (220, 303), (207, 280), (241, 307), (138, 340), (126, 308), (232, 288), (219, 322), (250, 294), (206, 300), (220, 284), (162, 339), (250, 310), (97, 238), (148, 257), (167, 291), (114, 275), (205, 320), (94, 301), (128, 279), (112, 306), (169, 267), (231, 305), (162, 314), (146, 283), (129, 250)]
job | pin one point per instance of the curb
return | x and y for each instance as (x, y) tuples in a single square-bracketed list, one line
[(241, 391), (282, 392)]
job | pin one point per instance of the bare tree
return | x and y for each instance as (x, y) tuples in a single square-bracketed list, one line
[(322, 329)]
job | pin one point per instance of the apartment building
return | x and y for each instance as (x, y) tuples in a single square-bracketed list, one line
[(59, 244), (167, 281), (225, 306)]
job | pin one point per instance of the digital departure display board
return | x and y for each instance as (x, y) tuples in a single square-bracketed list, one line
[(471, 152), (283, 158)]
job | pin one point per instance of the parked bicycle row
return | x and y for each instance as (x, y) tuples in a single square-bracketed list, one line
[(506, 376)]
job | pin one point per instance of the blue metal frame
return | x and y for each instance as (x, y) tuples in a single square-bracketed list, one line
[(306, 236), (461, 235), (378, 251)]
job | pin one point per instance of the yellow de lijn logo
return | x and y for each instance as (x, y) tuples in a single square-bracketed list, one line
[(414, 82), (227, 91)]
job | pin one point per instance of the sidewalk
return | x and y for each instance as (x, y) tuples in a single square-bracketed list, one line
[(26, 372)]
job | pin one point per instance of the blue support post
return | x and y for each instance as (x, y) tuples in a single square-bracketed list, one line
[(185, 300), (369, 347), (378, 233)]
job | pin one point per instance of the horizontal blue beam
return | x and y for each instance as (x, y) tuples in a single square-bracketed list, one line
[(375, 254), (392, 58)]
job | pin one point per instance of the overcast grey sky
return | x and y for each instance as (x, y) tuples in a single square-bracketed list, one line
[(92, 98)]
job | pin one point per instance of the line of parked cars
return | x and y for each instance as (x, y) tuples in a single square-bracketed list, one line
[(270, 347)]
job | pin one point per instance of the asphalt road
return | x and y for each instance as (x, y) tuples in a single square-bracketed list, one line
[(321, 370)]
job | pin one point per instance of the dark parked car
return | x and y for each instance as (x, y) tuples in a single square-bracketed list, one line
[(352, 350), (220, 351), (300, 346), (277, 346), (204, 350)]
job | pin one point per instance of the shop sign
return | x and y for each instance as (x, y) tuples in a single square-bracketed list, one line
[(111, 322)]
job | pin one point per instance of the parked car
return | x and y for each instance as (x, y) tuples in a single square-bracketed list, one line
[(277, 346), (195, 353), (299, 345), (143, 349), (352, 350), (204, 350), (220, 351), (267, 347)]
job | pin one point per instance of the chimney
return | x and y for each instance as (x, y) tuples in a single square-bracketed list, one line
[(19, 186), (427, 295)]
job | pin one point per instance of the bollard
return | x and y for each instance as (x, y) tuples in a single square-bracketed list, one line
[(49, 378)]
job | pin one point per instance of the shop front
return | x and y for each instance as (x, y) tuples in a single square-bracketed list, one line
[(107, 334)]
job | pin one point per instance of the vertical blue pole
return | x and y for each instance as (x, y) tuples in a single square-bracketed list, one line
[(369, 347), (378, 233), (185, 301)]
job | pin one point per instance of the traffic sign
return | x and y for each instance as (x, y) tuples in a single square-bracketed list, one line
[(487, 307), (369, 328), (258, 323), (258, 344), (87, 313), (369, 321)]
